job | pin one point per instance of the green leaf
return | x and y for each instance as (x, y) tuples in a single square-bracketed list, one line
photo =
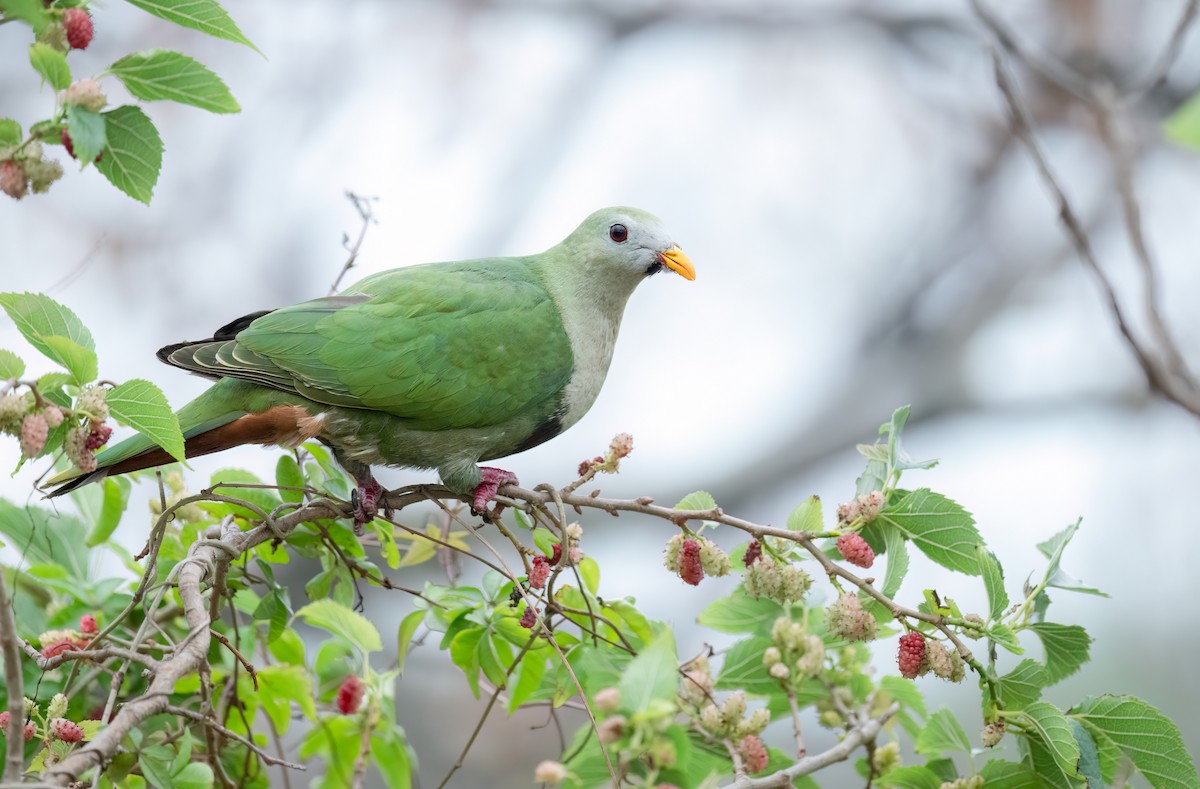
[(464, 653), (942, 733), (904, 691), (743, 668), (737, 612), (897, 562), (156, 762), (10, 130), (651, 676), (941, 528), (288, 475), (11, 365), (697, 500), (1150, 740), (529, 679), (390, 753), (194, 775), (1089, 756), (38, 316), (999, 774), (207, 16), (88, 132), (1066, 648), (51, 64), (1049, 726), (47, 537), (160, 74), (287, 647), (139, 404), (589, 571), (80, 362), (807, 516), (279, 687), (1183, 126), (404, 635), (1023, 685), (133, 157), (32, 11), (1003, 635), (993, 581), (342, 621), (112, 507), (914, 777)]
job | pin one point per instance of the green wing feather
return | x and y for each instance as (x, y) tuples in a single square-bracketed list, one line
[(444, 346)]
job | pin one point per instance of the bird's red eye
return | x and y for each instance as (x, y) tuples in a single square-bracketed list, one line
[(618, 233)]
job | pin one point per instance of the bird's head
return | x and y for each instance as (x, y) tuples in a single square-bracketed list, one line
[(626, 244)]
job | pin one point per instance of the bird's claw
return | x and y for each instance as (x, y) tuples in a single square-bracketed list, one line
[(364, 504), (490, 481)]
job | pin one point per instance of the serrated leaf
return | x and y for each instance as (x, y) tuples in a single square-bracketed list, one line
[(651, 676), (1089, 755), (38, 316), (11, 365), (942, 733), (1066, 648), (89, 132), (159, 74), (1183, 125), (32, 11), (133, 158), (1023, 685), (737, 612), (139, 404), (280, 686), (993, 581), (207, 16), (10, 132), (391, 756), (897, 561), (1050, 727), (696, 500), (1150, 740), (80, 362), (341, 621), (942, 529), (46, 537), (807, 516), (51, 64)]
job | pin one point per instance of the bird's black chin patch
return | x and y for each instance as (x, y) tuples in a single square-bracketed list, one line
[(654, 268)]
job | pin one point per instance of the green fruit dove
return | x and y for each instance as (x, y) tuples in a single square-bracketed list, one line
[(435, 366)]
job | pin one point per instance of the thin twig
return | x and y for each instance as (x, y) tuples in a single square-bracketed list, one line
[(14, 752), (363, 206)]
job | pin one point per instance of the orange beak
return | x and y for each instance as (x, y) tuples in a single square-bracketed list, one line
[(678, 262)]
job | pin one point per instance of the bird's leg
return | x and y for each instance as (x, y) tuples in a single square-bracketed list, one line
[(490, 481)]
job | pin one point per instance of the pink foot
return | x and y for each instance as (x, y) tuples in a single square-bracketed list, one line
[(364, 503), (490, 481)]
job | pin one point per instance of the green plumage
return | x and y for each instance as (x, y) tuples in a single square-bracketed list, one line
[(432, 366)]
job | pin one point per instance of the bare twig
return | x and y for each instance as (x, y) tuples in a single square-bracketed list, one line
[(14, 753), (363, 206)]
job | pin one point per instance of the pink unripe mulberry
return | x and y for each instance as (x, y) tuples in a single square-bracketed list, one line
[(98, 436), (539, 572), (56, 648), (33, 434), (30, 729), (691, 569), (350, 695), (621, 446), (530, 617), (65, 730), (13, 181), (855, 550), (87, 624), (911, 654), (753, 753), (75, 447), (753, 551), (78, 24), (54, 416)]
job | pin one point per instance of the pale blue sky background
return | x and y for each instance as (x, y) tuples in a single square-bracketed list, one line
[(864, 238)]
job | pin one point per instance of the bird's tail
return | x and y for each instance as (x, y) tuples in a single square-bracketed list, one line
[(210, 423)]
